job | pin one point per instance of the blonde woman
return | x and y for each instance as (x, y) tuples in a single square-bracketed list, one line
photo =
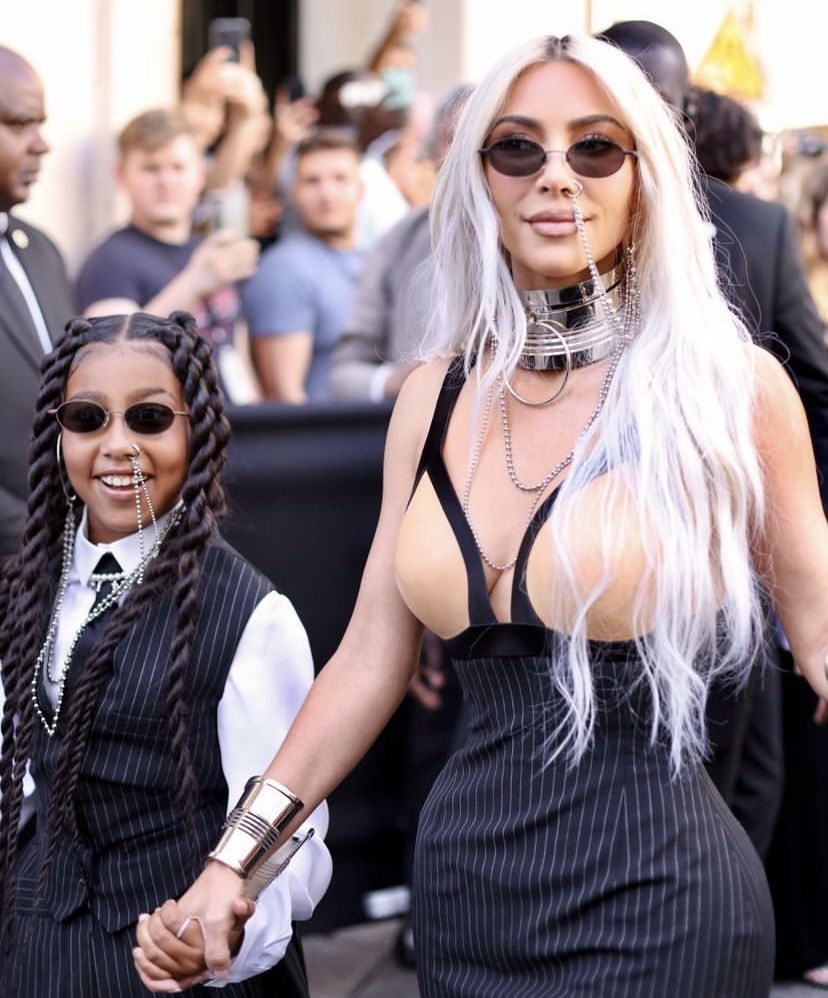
[(584, 491)]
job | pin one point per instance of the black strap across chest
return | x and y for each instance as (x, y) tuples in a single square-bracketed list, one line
[(432, 464)]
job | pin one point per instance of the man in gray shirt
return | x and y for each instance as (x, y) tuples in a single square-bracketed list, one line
[(392, 309), (300, 297)]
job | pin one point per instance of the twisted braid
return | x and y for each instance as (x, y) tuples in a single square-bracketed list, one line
[(177, 567), (204, 504), (28, 592)]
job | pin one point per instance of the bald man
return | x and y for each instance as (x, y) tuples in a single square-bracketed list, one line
[(35, 294)]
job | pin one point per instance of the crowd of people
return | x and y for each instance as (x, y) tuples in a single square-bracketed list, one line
[(603, 514)]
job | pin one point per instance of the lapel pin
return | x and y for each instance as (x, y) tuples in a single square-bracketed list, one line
[(20, 239)]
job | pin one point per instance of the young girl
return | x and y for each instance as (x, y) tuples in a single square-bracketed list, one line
[(142, 691)]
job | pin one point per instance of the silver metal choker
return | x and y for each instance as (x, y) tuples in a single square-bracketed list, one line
[(567, 327)]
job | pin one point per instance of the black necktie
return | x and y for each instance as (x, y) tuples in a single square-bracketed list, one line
[(107, 565)]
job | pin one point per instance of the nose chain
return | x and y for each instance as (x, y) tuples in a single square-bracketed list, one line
[(627, 327), (539, 487), (475, 458), (120, 583), (624, 328), (139, 483)]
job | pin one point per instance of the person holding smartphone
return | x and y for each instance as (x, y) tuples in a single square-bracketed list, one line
[(157, 261)]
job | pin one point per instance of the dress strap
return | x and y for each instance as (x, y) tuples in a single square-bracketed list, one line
[(433, 447), (522, 611), (431, 462)]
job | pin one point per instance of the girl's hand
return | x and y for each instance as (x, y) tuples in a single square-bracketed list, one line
[(169, 960), (218, 914)]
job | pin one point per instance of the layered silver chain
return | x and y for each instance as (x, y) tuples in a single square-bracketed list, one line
[(120, 583), (624, 325)]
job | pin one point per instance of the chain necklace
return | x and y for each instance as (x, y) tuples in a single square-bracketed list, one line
[(121, 582), (538, 488), (566, 461), (475, 458), (624, 329)]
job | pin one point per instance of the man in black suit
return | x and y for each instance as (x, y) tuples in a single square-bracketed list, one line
[(35, 294), (756, 248), (761, 271)]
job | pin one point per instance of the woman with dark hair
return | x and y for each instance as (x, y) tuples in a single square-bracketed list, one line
[(145, 666), (585, 488)]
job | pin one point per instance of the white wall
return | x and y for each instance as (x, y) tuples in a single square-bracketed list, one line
[(789, 37), (494, 28), (464, 37), (101, 61)]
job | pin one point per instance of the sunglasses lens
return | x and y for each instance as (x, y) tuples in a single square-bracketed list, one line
[(81, 417), (149, 417), (595, 157), (516, 157)]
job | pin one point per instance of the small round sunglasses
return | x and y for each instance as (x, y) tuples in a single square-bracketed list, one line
[(519, 157), (82, 416)]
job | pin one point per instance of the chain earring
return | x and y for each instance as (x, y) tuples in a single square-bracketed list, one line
[(71, 497)]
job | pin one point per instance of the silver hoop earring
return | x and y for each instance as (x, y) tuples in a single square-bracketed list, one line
[(71, 497)]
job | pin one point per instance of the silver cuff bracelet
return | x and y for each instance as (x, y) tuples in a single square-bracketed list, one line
[(254, 825), (271, 868)]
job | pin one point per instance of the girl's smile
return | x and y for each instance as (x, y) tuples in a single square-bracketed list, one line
[(99, 464)]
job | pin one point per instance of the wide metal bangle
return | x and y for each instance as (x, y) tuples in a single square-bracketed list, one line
[(269, 870), (255, 825)]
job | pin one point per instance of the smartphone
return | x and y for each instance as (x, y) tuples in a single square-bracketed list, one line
[(225, 209), (293, 87), (230, 32)]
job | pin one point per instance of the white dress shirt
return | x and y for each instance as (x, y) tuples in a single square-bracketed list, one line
[(268, 680), (15, 268)]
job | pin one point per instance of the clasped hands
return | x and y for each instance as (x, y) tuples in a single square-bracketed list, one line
[(189, 941)]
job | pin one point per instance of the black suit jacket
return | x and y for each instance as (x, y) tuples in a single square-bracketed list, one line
[(761, 271), (20, 360)]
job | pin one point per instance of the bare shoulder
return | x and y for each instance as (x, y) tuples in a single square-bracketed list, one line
[(776, 396), (778, 406), (412, 414), (418, 395), (770, 373), (424, 382)]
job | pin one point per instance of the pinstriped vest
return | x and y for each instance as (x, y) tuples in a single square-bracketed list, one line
[(135, 852)]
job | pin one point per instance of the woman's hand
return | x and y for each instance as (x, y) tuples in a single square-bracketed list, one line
[(172, 955)]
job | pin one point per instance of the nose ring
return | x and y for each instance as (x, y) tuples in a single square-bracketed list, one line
[(574, 191), (137, 449)]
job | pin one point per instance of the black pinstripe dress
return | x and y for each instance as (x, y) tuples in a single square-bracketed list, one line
[(609, 878)]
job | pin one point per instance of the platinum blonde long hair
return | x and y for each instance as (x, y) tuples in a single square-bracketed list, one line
[(677, 425)]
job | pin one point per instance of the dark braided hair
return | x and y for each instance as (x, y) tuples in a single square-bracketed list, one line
[(29, 581)]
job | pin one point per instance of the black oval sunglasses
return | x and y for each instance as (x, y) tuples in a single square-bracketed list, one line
[(83, 416), (591, 157)]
